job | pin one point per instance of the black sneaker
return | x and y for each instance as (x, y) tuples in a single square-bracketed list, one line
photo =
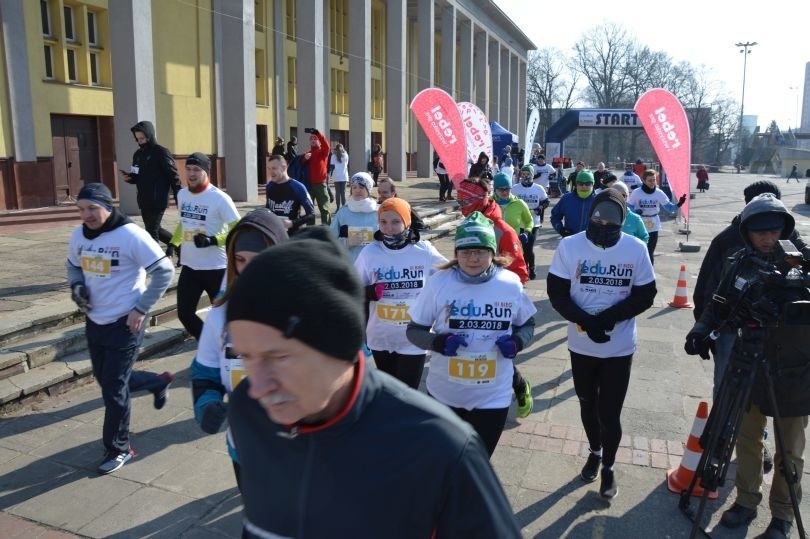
[(737, 516), (609, 488), (591, 468), (767, 460), (777, 529), (114, 460), (532, 274), (161, 395)]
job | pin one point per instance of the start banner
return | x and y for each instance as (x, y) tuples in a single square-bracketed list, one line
[(666, 125)]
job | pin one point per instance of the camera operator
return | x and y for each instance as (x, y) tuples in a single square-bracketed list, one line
[(764, 221)]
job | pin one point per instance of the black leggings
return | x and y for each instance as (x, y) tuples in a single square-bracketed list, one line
[(406, 368), (651, 243), (190, 287), (601, 385), (488, 423), (445, 186), (528, 249)]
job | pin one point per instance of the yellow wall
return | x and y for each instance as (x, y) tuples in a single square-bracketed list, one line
[(184, 96), (6, 137), (265, 91), (53, 97)]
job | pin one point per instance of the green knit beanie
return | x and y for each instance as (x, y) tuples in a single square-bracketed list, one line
[(476, 232)]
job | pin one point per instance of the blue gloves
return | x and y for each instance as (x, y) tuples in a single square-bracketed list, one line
[(451, 344), (524, 237), (213, 416), (507, 345)]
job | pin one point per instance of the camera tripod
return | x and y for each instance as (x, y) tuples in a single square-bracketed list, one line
[(723, 425)]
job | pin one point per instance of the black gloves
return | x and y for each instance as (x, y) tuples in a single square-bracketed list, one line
[(343, 231), (596, 326), (544, 204), (80, 296), (697, 344), (172, 250), (201, 240), (565, 232), (682, 200), (212, 417)]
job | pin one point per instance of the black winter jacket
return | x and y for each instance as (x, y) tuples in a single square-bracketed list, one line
[(157, 173), (394, 463)]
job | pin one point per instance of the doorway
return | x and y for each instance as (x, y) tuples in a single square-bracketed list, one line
[(261, 153), (75, 154)]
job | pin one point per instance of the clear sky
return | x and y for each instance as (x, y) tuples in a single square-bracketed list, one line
[(700, 32)]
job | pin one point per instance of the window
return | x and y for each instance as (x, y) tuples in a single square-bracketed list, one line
[(91, 28), (292, 83), (94, 76), (291, 20), (70, 33), (48, 62), (258, 14), (340, 91), (338, 33), (45, 11), (377, 37), (71, 65), (376, 99)]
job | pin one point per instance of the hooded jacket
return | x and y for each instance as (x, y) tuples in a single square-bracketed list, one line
[(516, 213), (784, 344), (157, 173), (571, 213), (481, 169)]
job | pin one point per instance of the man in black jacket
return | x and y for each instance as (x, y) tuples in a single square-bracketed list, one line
[(154, 173), (327, 446)]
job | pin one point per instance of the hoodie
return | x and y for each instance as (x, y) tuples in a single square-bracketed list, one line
[(481, 168), (153, 171)]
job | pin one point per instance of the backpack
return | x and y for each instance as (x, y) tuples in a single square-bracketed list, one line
[(298, 170)]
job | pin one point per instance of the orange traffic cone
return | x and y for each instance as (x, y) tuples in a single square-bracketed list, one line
[(679, 479), (681, 300)]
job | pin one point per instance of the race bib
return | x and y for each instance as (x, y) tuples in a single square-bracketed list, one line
[(473, 368), (237, 372), (394, 311), (649, 224), (97, 266), (365, 234), (188, 235)]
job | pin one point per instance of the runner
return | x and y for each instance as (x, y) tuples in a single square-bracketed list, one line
[(633, 225), (394, 269), (108, 260), (216, 369), (515, 212), (286, 197), (536, 199), (481, 318), (648, 202), (356, 222)]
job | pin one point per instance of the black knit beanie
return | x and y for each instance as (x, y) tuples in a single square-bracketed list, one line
[(759, 187), (608, 196), (308, 289), (98, 193), (201, 160)]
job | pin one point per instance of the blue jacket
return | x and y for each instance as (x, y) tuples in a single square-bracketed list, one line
[(571, 213), (634, 226)]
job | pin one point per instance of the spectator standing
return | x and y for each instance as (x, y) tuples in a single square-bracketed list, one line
[(570, 215), (394, 269), (445, 185), (109, 258), (572, 178), (639, 168), (702, 178), (648, 202), (340, 173), (278, 147), (286, 197), (356, 222), (601, 310), (216, 370), (536, 199), (599, 174), (154, 174), (480, 319), (481, 168), (376, 164), (292, 150), (794, 173), (317, 159), (310, 401), (206, 216)]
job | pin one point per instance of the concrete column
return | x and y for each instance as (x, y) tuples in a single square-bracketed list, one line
[(493, 103), (280, 71), (482, 70), (239, 98), (395, 95), (133, 77), (310, 58), (523, 112), (327, 74), (447, 72), (20, 110), (503, 106), (360, 83), (425, 20), (465, 46), (514, 89), (219, 108)]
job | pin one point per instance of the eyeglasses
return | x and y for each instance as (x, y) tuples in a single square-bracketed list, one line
[(472, 253), (583, 183), (502, 189)]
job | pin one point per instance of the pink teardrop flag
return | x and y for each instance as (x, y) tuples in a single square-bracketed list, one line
[(666, 125), (438, 115), (479, 135)]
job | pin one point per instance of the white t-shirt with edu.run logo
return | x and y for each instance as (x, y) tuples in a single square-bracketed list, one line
[(599, 279), (207, 213), (478, 376)]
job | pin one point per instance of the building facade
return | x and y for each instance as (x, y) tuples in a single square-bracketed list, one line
[(226, 77)]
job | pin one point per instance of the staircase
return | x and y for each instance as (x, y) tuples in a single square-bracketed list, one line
[(43, 350)]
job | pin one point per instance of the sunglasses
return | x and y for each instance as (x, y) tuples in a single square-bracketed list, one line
[(584, 183)]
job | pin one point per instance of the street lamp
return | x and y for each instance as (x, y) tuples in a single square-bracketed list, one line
[(797, 121), (745, 52)]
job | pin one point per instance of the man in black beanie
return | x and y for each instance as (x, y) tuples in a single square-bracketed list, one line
[(328, 446)]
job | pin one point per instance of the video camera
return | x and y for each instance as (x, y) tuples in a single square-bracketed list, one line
[(760, 292)]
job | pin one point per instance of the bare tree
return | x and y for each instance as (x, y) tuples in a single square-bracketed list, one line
[(697, 94), (725, 126), (550, 84), (602, 56)]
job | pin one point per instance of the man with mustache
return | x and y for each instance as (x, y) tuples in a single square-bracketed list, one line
[(329, 447)]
